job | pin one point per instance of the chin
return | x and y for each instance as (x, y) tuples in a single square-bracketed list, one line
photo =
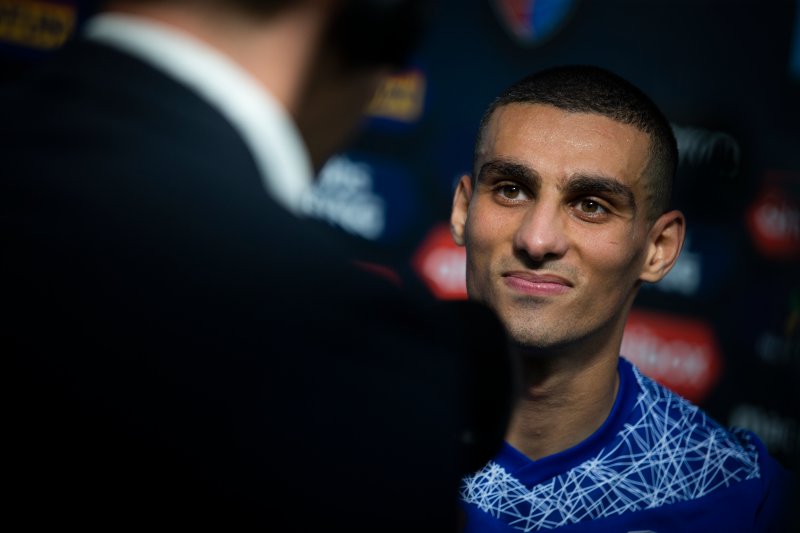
[(542, 337), (526, 340)]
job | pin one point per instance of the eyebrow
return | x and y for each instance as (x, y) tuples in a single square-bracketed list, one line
[(510, 169), (600, 185)]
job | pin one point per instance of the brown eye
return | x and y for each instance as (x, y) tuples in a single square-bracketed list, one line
[(510, 191), (590, 206)]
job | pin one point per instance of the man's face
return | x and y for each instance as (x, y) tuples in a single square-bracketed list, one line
[(555, 225)]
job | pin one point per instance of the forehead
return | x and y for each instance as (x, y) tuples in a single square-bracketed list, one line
[(558, 143)]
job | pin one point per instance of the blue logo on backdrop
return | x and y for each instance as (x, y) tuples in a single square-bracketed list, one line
[(531, 22), (703, 268), (363, 195)]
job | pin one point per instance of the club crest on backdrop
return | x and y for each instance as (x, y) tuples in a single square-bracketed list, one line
[(531, 22)]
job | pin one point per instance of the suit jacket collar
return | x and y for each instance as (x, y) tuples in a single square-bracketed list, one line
[(264, 125)]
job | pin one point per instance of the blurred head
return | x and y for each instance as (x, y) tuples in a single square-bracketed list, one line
[(366, 41)]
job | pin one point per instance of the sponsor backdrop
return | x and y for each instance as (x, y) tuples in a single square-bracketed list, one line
[(723, 329)]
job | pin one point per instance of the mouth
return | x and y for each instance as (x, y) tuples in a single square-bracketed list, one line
[(535, 284)]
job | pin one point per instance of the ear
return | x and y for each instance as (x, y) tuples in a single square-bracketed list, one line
[(458, 215), (665, 241)]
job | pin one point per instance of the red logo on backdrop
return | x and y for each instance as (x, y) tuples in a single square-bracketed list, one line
[(680, 353), (442, 264), (773, 219)]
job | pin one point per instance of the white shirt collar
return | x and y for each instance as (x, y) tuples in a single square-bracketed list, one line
[(263, 123)]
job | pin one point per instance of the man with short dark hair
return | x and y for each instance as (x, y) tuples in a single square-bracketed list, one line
[(187, 351), (567, 214)]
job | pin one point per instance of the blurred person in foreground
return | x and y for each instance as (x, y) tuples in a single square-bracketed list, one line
[(567, 214), (186, 350)]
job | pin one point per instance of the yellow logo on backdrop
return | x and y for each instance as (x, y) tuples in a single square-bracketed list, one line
[(40, 25), (401, 97)]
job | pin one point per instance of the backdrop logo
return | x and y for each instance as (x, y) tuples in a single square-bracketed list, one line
[(344, 196), (685, 276), (36, 25), (366, 195), (400, 98), (780, 433), (442, 264), (773, 219), (703, 268), (531, 22), (781, 345), (680, 353)]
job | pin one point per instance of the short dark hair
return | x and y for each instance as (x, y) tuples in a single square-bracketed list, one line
[(591, 89)]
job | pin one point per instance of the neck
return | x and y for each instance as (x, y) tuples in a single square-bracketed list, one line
[(564, 400), (277, 51)]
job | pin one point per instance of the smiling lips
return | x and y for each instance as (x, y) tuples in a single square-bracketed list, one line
[(536, 284)]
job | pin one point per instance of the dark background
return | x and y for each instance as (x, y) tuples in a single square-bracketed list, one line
[(726, 74)]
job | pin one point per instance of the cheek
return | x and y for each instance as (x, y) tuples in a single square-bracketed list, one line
[(478, 249), (613, 257), (488, 234), (484, 243), (487, 225)]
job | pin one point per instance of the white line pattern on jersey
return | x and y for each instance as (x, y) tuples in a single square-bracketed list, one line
[(671, 453)]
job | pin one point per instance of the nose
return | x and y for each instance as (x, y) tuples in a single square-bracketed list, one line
[(541, 234)]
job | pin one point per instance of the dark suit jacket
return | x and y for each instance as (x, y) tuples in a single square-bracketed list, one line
[(183, 351)]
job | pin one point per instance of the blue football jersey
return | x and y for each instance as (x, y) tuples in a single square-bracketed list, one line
[(657, 464)]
